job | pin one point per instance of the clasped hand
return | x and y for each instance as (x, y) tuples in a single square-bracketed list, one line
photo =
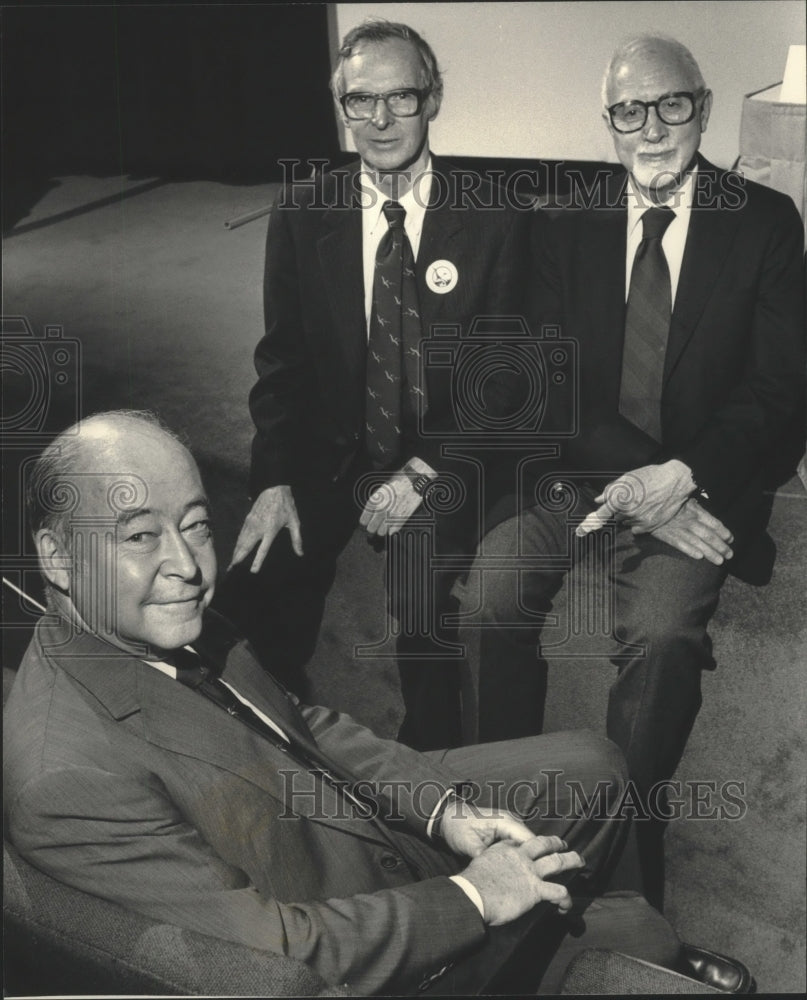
[(644, 498), (656, 500), (510, 864)]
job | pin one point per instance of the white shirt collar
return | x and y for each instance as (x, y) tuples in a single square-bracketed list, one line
[(415, 201), (680, 202)]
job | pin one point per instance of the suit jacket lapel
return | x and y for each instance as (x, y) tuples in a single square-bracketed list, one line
[(605, 250), (339, 247), (171, 716), (442, 231), (709, 237), (168, 714)]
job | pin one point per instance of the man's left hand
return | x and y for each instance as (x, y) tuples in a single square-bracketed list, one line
[(469, 829), (391, 504), (645, 498)]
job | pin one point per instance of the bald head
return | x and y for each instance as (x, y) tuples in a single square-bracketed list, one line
[(96, 444), (658, 49), (122, 530)]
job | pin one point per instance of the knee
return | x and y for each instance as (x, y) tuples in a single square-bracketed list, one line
[(490, 594), (599, 760), (661, 625), (580, 767)]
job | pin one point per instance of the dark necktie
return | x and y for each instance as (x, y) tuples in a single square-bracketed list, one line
[(647, 325), (194, 672), (395, 394)]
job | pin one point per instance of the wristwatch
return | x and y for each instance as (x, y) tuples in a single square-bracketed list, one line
[(419, 480), (421, 483)]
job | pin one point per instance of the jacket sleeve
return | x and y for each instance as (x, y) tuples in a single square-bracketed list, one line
[(412, 783), (739, 438), (113, 836), (284, 371)]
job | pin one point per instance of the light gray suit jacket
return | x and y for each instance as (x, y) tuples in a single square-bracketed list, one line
[(127, 785)]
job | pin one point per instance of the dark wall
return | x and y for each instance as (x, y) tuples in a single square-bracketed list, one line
[(169, 90)]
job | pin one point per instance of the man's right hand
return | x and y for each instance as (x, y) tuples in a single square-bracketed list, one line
[(272, 511), (510, 877)]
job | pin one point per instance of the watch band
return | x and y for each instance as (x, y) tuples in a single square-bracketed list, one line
[(421, 483)]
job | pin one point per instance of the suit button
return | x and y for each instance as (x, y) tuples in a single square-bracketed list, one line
[(389, 861)]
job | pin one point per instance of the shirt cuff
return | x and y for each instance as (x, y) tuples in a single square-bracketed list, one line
[(438, 810), (471, 892)]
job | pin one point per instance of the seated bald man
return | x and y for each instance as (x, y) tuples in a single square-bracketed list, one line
[(276, 825)]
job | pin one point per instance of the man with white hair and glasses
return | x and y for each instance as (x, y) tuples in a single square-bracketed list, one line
[(683, 287)]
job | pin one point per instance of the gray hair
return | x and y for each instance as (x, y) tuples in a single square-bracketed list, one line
[(650, 43), (50, 484), (375, 30)]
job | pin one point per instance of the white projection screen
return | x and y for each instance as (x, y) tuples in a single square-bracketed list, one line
[(523, 79)]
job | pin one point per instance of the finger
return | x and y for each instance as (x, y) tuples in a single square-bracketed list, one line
[(691, 546), (711, 539), (538, 847), (512, 829), (552, 892), (372, 524), (244, 544), (713, 523), (378, 522), (594, 521), (554, 864), (260, 555), (296, 534), (366, 514)]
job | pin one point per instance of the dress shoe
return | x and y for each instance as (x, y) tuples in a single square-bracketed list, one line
[(719, 971)]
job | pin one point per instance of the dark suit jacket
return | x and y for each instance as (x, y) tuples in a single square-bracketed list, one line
[(308, 403), (734, 367), (122, 782)]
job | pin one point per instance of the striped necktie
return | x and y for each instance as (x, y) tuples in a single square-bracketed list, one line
[(647, 325)]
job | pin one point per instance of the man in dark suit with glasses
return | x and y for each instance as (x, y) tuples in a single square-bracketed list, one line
[(683, 286), (362, 267)]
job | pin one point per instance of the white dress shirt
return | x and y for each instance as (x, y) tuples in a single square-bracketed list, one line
[(675, 236), (374, 224)]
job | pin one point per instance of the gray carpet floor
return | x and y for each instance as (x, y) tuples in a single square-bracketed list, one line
[(165, 305)]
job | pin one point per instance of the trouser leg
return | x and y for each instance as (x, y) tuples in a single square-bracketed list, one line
[(548, 780), (564, 784), (518, 570), (429, 655), (664, 601)]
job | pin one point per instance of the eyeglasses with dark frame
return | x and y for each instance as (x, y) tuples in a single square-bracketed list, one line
[(403, 103), (677, 108)]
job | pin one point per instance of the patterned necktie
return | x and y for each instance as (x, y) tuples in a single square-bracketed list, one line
[(647, 325), (395, 393)]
